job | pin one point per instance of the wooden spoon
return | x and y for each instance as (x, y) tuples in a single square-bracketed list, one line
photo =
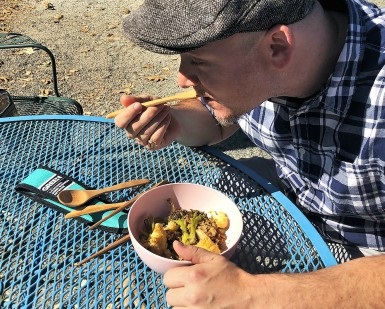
[(113, 213), (191, 94), (75, 198), (96, 208)]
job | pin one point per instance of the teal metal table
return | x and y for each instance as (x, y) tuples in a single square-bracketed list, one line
[(38, 247)]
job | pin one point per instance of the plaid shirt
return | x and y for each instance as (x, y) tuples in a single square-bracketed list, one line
[(330, 151)]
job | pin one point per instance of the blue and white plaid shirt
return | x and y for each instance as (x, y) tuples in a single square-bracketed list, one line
[(330, 151)]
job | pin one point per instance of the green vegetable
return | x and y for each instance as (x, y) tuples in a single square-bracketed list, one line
[(188, 222)]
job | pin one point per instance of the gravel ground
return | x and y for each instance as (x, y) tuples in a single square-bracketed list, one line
[(95, 62)]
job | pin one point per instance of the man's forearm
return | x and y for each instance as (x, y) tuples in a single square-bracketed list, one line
[(358, 283)]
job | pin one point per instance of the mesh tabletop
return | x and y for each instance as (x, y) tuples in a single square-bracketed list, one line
[(38, 247)]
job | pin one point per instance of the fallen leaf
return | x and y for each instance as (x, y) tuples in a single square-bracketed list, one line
[(70, 72), (166, 71), (45, 92), (85, 29), (57, 18), (85, 50), (46, 64), (49, 6), (156, 78), (126, 90), (4, 79), (26, 51), (148, 66)]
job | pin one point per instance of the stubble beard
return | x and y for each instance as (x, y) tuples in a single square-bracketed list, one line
[(228, 121)]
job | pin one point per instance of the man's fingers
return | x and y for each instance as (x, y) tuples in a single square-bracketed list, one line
[(156, 140), (176, 297), (127, 115), (127, 100)]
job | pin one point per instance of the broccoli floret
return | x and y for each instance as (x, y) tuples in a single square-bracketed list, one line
[(187, 222)]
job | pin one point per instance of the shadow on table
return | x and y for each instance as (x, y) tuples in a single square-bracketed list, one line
[(237, 141), (264, 247)]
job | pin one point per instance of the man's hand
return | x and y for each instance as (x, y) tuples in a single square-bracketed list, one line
[(152, 127), (213, 282), (187, 122)]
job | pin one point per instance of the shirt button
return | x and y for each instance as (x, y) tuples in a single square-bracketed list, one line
[(302, 151)]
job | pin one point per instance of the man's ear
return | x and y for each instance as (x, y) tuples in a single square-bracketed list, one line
[(280, 41)]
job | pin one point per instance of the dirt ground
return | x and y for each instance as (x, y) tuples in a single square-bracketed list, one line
[(95, 62)]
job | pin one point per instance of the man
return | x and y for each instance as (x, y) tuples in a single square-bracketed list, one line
[(304, 80)]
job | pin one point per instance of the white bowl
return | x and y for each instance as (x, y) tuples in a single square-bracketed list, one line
[(187, 196)]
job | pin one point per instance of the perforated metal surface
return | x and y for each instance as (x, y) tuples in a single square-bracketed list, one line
[(46, 106), (39, 247)]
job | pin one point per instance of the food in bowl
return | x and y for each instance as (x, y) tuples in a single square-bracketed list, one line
[(186, 196), (203, 229)]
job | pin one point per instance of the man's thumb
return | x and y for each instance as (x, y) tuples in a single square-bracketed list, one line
[(192, 253)]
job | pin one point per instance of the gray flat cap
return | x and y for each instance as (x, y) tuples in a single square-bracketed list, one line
[(177, 26)]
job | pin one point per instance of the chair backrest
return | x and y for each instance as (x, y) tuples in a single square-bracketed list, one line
[(19, 41), (25, 104)]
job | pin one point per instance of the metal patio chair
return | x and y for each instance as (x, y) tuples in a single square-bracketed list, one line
[(35, 104)]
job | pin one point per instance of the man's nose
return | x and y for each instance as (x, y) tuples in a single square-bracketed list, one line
[(185, 81)]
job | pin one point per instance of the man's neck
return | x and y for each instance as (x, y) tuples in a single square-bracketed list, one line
[(321, 63)]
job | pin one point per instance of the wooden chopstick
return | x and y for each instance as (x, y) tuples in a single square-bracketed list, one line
[(104, 250), (128, 203), (124, 238), (191, 94)]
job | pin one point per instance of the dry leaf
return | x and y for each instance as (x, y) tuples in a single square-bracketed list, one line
[(45, 92), (156, 78), (46, 64), (70, 72), (148, 66), (85, 29), (126, 90), (85, 50), (26, 51), (57, 18), (166, 71), (48, 6), (4, 79), (6, 12)]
